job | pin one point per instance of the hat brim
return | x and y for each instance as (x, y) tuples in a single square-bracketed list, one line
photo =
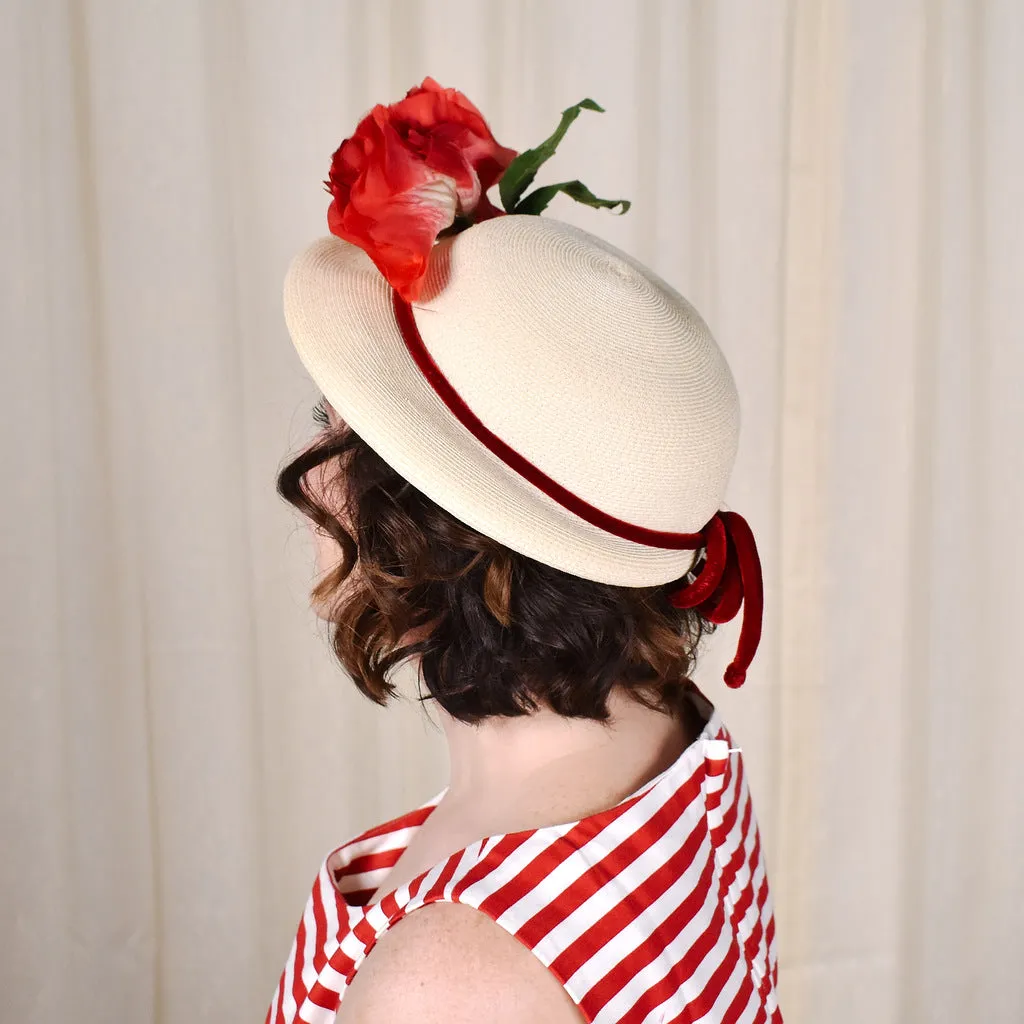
[(339, 313)]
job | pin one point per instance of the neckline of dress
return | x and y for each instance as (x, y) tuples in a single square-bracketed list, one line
[(687, 761)]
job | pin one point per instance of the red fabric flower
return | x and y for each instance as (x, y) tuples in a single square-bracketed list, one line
[(406, 173)]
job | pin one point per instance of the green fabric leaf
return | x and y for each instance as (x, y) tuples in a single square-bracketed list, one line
[(539, 198), (520, 173)]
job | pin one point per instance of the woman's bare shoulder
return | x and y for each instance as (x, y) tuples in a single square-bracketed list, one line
[(451, 963)]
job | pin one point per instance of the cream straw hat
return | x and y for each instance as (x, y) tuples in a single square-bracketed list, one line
[(551, 392)]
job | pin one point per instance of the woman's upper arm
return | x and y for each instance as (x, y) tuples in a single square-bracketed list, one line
[(446, 963)]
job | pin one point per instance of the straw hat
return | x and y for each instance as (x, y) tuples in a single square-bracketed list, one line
[(548, 390)]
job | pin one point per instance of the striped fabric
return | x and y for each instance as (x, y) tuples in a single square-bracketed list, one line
[(656, 911)]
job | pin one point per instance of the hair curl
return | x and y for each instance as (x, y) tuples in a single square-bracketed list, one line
[(500, 632)]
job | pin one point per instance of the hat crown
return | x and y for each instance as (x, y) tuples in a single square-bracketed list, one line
[(588, 364)]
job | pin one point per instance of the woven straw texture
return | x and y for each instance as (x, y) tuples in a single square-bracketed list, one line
[(568, 349)]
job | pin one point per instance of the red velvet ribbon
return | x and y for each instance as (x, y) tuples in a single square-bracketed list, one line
[(731, 573), (730, 576)]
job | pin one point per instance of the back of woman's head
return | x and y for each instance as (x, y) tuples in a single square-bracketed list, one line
[(496, 633)]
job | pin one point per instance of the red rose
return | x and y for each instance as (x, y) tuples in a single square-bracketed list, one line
[(406, 173)]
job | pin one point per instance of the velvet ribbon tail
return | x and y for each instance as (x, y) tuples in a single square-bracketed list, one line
[(730, 578)]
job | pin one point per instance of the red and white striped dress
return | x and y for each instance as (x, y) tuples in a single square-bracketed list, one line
[(656, 911)]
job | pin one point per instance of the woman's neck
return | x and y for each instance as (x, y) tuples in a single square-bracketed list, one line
[(569, 760)]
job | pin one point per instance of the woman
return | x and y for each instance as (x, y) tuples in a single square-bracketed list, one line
[(526, 437)]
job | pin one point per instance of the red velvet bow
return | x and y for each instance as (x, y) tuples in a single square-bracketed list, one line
[(729, 577)]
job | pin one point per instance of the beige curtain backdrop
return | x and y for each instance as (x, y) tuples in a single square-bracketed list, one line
[(836, 186)]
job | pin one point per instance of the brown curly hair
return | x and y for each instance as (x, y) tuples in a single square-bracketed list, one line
[(499, 632)]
